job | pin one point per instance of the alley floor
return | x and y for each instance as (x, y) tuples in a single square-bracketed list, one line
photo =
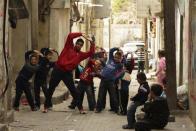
[(64, 119)]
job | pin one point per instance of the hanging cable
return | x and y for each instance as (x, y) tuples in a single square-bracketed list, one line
[(4, 50)]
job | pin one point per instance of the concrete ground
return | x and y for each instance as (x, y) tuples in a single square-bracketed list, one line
[(64, 119)]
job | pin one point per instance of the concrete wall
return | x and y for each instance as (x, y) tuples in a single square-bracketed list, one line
[(20, 42), (123, 33), (192, 67), (59, 27), (6, 115)]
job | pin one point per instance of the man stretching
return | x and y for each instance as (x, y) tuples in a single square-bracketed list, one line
[(69, 58)]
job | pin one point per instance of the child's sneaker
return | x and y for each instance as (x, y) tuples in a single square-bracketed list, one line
[(71, 107), (34, 109), (82, 111), (45, 110), (16, 108)]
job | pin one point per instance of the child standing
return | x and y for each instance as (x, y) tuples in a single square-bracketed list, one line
[(109, 74), (139, 99), (41, 75), (22, 81), (86, 80)]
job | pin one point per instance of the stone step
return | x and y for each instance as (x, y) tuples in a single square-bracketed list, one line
[(3, 127)]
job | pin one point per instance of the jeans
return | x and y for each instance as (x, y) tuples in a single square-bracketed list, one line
[(131, 113), (84, 87)]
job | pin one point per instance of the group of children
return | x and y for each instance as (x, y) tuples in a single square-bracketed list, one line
[(113, 80), (36, 63)]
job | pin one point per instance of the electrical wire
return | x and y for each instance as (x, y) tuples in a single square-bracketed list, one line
[(4, 50)]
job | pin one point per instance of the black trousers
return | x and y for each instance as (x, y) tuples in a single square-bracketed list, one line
[(90, 91), (105, 86), (67, 77), (146, 125), (40, 83), (141, 66), (23, 85), (124, 96)]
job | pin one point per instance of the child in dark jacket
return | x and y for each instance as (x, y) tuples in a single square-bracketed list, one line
[(156, 111), (42, 73), (109, 74), (22, 81), (139, 99)]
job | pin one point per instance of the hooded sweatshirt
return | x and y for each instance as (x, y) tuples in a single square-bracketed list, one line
[(69, 57), (112, 70)]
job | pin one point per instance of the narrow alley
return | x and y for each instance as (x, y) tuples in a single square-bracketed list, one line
[(61, 118), (52, 52)]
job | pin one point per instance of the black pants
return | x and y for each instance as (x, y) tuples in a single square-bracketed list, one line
[(90, 91), (67, 77), (141, 66), (124, 96), (40, 83), (105, 86), (146, 125), (23, 85)]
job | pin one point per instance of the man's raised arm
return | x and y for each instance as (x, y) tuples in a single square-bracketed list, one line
[(70, 37)]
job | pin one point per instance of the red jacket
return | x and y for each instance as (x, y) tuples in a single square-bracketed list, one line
[(69, 57), (86, 75)]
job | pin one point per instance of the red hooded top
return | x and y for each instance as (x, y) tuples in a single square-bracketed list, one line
[(69, 57), (86, 75)]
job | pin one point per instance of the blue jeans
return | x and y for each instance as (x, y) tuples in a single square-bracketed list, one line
[(131, 113), (84, 87)]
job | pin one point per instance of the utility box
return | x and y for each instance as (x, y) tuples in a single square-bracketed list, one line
[(61, 4)]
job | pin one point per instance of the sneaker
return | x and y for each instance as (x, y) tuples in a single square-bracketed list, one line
[(111, 110), (122, 113), (127, 127), (71, 107), (50, 108), (16, 108), (45, 110), (82, 111), (34, 109), (97, 111)]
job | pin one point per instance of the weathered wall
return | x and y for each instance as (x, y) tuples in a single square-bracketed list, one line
[(123, 33), (19, 39), (192, 72), (5, 103), (59, 27)]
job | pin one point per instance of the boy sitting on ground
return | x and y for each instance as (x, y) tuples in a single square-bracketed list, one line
[(156, 111), (139, 99)]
